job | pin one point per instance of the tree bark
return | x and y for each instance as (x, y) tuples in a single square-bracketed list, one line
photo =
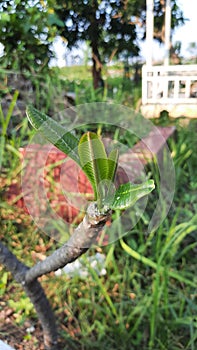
[(81, 240), (36, 294), (96, 68)]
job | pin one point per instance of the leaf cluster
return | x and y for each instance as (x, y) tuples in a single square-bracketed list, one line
[(90, 154), (110, 27), (106, 25), (26, 34)]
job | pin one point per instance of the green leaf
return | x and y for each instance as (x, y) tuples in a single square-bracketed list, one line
[(108, 187), (112, 164), (93, 160), (4, 17), (127, 194), (54, 132), (53, 19)]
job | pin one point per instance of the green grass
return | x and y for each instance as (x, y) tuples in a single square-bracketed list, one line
[(76, 73), (147, 299), (116, 87)]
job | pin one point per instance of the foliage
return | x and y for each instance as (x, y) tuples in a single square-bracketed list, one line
[(54, 132), (26, 34), (116, 87), (4, 124), (177, 18), (110, 27), (93, 159), (22, 307), (105, 31)]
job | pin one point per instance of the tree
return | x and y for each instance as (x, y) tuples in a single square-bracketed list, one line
[(27, 30), (103, 24), (177, 18), (88, 152), (110, 27)]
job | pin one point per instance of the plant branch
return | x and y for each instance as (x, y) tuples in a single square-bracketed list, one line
[(81, 240), (36, 294), (45, 314), (12, 264)]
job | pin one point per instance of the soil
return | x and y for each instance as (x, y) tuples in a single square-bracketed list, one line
[(18, 336), (28, 336)]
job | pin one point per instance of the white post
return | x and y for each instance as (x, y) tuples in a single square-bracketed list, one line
[(167, 32), (149, 31)]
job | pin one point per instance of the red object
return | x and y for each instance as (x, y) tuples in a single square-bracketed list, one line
[(50, 180)]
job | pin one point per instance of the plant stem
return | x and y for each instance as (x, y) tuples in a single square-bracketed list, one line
[(82, 238), (36, 294)]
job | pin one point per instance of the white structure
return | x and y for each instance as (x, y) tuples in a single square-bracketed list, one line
[(167, 87)]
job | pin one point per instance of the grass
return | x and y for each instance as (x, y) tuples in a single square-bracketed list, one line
[(147, 299), (116, 87)]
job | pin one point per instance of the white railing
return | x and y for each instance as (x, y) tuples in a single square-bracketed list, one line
[(169, 84)]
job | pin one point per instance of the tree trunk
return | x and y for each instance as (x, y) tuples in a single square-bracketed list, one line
[(96, 68)]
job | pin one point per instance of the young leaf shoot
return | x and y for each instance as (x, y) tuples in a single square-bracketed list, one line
[(90, 154)]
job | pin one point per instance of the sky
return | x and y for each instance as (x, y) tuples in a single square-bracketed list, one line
[(188, 32)]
